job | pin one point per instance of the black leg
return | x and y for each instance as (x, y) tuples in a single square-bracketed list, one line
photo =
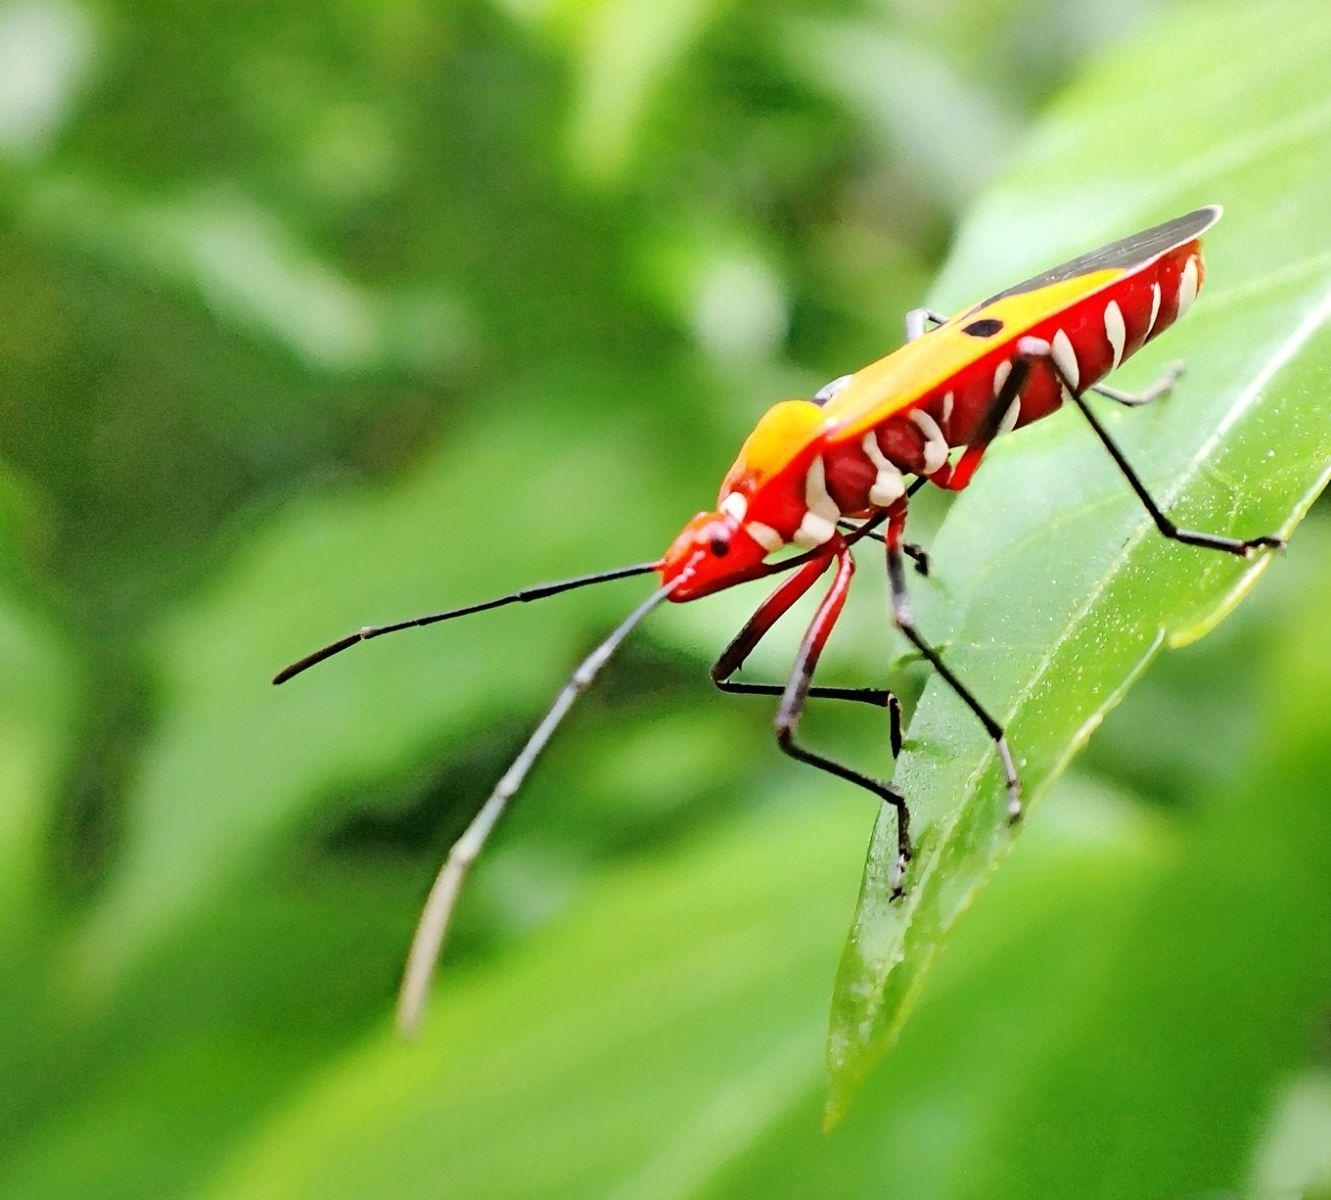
[(767, 614), (880, 697), (917, 554), (1033, 350), (1190, 537), (991, 422), (796, 694), (904, 620)]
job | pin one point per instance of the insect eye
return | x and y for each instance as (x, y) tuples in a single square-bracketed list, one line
[(720, 547)]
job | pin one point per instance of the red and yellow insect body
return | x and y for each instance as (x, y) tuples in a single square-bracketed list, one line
[(847, 452), (812, 468)]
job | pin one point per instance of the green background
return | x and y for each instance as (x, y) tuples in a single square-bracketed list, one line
[(312, 316)]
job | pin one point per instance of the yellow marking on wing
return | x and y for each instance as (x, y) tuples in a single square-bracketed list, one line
[(892, 384)]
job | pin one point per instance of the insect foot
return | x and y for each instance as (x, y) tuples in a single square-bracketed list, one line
[(897, 880), (1268, 542)]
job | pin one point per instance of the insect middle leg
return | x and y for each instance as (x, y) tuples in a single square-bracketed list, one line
[(918, 321), (769, 612), (904, 619)]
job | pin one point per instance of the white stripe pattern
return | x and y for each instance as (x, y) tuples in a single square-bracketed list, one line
[(819, 522), (765, 536), (735, 505), (890, 484), (1065, 359), (1187, 287), (1115, 331), (1155, 308), (935, 444)]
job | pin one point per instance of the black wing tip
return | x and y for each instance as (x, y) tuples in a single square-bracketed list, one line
[(1126, 254), (1191, 224)]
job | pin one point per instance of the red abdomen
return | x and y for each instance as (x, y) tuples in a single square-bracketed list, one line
[(1088, 339)]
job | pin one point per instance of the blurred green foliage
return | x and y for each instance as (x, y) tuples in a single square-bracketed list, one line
[(317, 315)]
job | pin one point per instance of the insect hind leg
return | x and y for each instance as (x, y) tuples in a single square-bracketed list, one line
[(1240, 547), (916, 553)]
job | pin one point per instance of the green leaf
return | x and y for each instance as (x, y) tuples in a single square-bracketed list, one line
[(1212, 1001), (38, 704), (36, 707), (1122, 1018), (648, 991), (1053, 589)]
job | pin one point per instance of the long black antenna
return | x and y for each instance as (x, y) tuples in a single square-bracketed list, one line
[(522, 595), (438, 910)]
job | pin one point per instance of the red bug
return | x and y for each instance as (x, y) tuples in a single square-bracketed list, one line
[(824, 473)]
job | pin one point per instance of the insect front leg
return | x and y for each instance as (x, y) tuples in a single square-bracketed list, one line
[(904, 619), (770, 611), (796, 693)]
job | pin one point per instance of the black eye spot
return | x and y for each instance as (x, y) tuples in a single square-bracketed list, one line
[(720, 547), (985, 327)]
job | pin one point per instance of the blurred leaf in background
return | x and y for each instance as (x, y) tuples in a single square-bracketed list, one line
[(314, 316)]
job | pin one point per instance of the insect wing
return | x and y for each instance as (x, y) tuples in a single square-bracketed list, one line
[(919, 368)]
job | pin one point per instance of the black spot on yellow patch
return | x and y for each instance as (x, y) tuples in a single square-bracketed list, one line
[(984, 327)]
